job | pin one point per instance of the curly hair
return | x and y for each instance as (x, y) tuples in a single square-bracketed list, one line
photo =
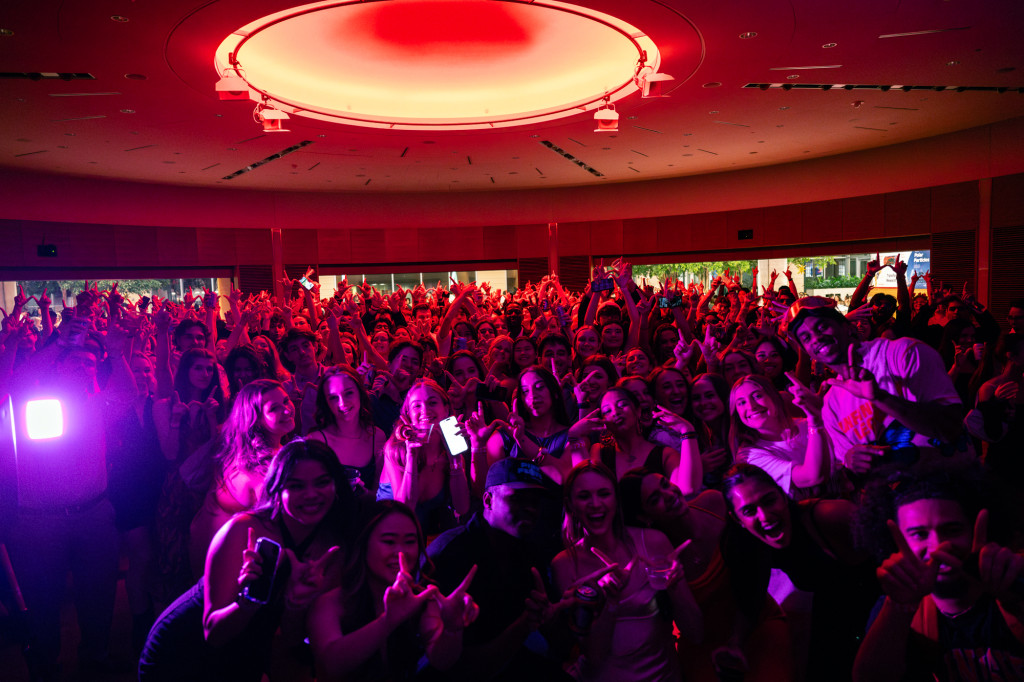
[(883, 497)]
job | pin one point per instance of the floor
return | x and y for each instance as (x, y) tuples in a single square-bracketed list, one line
[(12, 665)]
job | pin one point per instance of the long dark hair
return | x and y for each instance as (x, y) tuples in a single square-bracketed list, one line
[(183, 385), (257, 359), (558, 410), (341, 514), (355, 579), (324, 416)]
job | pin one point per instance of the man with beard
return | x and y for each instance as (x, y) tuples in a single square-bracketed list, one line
[(950, 611), (504, 642), (891, 401)]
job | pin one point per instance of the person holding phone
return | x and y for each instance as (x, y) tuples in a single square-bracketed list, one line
[(220, 630), (419, 468)]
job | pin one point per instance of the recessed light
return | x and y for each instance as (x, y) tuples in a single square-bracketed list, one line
[(952, 62), (321, 135), (713, 112), (127, 111), (70, 134), (6, 32), (631, 118), (119, 19), (232, 149), (783, 108), (713, 84), (1006, 69), (829, 45), (135, 76), (748, 35), (792, 76)]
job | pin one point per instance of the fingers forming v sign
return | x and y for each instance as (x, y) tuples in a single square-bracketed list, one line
[(458, 609)]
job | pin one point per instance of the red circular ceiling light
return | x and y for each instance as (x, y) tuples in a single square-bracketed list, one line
[(437, 64)]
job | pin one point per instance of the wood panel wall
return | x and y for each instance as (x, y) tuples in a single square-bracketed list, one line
[(900, 220)]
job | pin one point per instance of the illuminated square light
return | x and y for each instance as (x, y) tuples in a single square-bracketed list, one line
[(44, 419)]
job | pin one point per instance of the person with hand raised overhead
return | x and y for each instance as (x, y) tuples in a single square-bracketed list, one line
[(891, 401)]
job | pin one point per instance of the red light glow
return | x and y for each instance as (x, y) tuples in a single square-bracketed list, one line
[(455, 64)]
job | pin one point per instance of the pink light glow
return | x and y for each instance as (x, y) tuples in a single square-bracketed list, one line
[(453, 64)]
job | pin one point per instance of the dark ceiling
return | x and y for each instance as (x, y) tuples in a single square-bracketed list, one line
[(149, 112)]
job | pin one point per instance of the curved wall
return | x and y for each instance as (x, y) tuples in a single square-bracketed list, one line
[(988, 151)]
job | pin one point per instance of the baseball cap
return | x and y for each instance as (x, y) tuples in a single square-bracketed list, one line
[(515, 473), (810, 306)]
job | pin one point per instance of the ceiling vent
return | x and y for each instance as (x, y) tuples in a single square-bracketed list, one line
[(46, 75)]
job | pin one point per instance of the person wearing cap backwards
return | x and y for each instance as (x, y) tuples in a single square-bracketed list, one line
[(504, 643), (891, 403)]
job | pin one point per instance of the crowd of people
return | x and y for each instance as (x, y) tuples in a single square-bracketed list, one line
[(629, 482)]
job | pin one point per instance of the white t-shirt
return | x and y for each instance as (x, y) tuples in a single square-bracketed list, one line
[(778, 457), (905, 368)]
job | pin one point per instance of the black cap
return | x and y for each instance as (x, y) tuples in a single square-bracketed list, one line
[(515, 473)]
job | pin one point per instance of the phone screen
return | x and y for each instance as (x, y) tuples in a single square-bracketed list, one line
[(456, 442), (663, 302), (602, 285), (259, 590), (676, 302), (306, 284)]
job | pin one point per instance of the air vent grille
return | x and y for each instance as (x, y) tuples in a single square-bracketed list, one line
[(883, 88), (46, 75)]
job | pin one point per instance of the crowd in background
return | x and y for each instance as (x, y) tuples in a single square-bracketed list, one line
[(629, 482)]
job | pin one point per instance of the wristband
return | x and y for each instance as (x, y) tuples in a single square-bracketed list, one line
[(689, 435)]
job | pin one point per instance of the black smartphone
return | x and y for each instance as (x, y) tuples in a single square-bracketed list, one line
[(602, 284), (461, 343), (484, 393), (259, 590), (676, 302), (664, 301)]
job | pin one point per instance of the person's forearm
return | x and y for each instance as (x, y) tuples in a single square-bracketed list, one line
[(883, 654), (815, 468), (164, 378), (121, 386), (211, 325), (860, 294), (689, 475), (224, 624), (902, 292), (591, 314)]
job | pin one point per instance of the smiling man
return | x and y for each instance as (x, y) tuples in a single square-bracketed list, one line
[(950, 610), (891, 402), (504, 642)]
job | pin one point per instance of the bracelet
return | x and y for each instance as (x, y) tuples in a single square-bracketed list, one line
[(689, 435), (815, 429)]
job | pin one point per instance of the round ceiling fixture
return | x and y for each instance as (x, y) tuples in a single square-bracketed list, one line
[(437, 64)]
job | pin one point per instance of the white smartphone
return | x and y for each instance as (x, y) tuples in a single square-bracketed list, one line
[(455, 441)]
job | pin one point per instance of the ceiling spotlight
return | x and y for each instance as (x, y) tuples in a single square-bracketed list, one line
[(651, 84), (271, 118), (231, 86), (607, 119)]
